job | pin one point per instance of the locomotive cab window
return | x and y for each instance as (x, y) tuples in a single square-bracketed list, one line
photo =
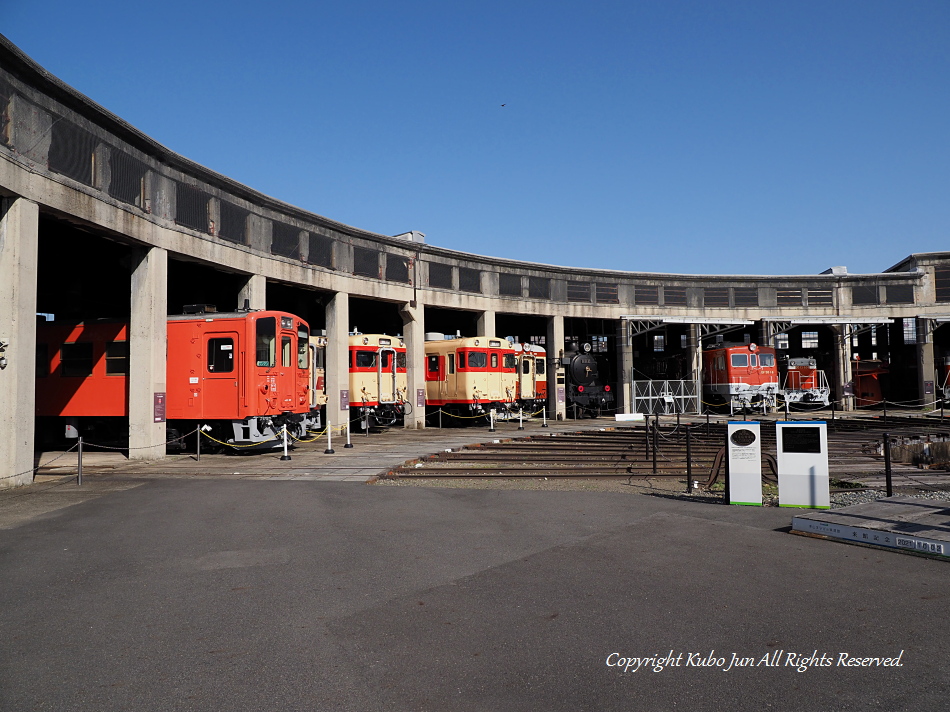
[(117, 358), (753, 360), (740, 360), (767, 360), (220, 355), (76, 360), (286, 351), (266, 341), (303, 343)]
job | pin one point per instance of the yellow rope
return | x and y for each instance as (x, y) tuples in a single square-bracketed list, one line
[(235, 445)]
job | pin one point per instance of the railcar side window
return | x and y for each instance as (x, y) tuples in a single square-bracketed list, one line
[(266, 341), (76, 360), (220, 355), (42, 360), (365, 359), (286, 351), (740, 360), (303, 346), (451, 362), (477, 359), (117, 358), (539, 366)]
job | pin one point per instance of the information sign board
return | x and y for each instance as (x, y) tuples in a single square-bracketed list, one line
[(744, 450), (803, 464)]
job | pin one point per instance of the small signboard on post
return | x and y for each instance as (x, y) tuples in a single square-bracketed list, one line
[(744, 455), (803, 464)]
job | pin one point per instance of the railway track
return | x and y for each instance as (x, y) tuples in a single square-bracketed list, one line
[(855, 453)]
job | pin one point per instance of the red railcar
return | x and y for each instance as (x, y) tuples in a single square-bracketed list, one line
[(740, 375), (245, 374)]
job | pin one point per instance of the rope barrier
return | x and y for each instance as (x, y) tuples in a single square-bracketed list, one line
[(37, 467)]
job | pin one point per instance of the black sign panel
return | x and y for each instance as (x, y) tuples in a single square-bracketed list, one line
[(801, 440)]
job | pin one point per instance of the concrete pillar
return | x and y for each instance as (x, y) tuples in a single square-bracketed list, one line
[(625, 356), (842, 374), (694, 342), (19, 238), (926, 370), (557, 393), (254, 291), (148, 333), (486, 324), (338, 358), (414, 334)]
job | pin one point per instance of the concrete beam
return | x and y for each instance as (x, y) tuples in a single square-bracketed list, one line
[(19, 240), (148, 333), (413, 330), (338, 358)]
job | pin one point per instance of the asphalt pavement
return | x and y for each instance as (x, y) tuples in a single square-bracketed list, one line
[(253, 594)]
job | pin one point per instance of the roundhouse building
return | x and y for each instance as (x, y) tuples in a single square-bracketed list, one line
[(99, 221)]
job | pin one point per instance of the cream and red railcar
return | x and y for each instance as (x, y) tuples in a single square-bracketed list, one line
[(468, 377), (740, 376), (943, 378), (245, 375), (378, 381), (318, 382), (805, 383), (532, 384)]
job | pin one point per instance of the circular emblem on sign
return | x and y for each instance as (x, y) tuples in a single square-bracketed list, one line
[(586, 348), (743, 437)]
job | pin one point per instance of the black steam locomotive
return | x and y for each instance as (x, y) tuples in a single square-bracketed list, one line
[(588, 393)]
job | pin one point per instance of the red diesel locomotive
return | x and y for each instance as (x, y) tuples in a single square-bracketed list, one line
[(740, 375), (244, 374)]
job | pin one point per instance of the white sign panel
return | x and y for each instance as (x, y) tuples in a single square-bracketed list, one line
[(744, 448), (803, 464)]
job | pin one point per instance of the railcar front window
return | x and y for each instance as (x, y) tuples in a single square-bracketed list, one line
[(366, 359), (220, 355), (478, 359), (526, 366), (539, 366), (511, 361), (266, 342), (286, 351), (387, 357), (303, 346), (400, 359), (740, 360), (494, 360)]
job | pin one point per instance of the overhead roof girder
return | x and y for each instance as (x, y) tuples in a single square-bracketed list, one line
[(776, 325), (709, 326)]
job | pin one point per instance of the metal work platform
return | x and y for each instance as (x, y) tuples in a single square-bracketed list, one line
[(905, 524)]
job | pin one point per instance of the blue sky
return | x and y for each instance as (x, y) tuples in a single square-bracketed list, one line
[(666, 136)]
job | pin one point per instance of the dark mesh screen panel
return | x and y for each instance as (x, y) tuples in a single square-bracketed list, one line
[(864, 295), (397, 268), (509, 285), (233, 227), (128, 175), (578, 291), (321, 251), (821, 297), (285, 240), (470, 280), (607, 294), (70, 152), (716, 297), (191, 208), (674, 296), (366, 262), (6, 93), (645, 294), (440, 275), (746, 296), (900, 294), (788, 297), (942, 283), (539, 288)]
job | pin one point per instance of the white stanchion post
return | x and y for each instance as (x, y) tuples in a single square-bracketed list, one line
[(521, 419), (544, 417), (348, 443), (329, 450), (285, 456), (491, 421), (79, 465)]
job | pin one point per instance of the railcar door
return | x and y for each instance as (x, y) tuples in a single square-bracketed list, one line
[(218, 396), (387, 375)]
